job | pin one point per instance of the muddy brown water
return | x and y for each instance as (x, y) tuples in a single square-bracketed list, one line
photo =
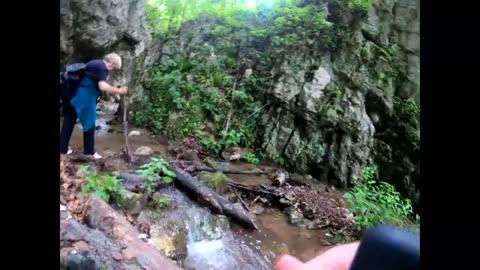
[(275, 235)]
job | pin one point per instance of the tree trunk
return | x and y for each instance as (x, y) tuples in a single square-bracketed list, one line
[(215, 202)]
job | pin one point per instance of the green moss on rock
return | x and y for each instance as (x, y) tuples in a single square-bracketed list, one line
[(216, 181)]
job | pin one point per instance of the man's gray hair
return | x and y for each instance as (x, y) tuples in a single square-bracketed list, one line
[(115, 59)]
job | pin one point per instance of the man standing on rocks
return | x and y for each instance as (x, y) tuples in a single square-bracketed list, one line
[(83, 104)]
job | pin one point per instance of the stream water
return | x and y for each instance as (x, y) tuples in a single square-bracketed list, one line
[(213, 243)]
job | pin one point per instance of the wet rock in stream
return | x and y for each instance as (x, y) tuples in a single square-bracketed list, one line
[(308, 181), (166, 235), (213, 229), (295, 217), (133, 203)]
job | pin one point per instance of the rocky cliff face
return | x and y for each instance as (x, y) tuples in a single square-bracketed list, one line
[(325, 111), (332, 111), (92, 28), (354, 109)]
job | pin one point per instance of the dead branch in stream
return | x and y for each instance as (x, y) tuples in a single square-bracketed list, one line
[(257, 189), (241, 200), (216, 202)]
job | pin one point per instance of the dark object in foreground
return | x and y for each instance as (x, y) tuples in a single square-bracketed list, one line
[(387, 248), (215, 202)]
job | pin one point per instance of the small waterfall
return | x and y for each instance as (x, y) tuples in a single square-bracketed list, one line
[(210, 242)]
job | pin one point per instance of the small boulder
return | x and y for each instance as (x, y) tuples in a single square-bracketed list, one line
[(257, 209), (133, 202), (295, 217), (231, 154), (296, 177), (78, 261), (117, 256), (171, 241), (166, 235), (144, 151), (134, 133), (81, 246)]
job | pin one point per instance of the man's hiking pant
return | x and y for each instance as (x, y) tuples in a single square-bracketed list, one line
[(69, 121)]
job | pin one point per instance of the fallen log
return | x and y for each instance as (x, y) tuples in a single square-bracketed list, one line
[(102, 216), (216, 202), (251, 172)]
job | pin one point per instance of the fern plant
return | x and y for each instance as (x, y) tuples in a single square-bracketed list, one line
[(157, 166)]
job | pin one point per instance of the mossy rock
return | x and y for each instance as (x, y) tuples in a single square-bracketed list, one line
[(216, 181)]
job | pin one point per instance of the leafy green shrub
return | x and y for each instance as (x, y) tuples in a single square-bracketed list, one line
[(105, 187), (187, 91), (408, 116), (249, 157), (157, 166), (375, 202)]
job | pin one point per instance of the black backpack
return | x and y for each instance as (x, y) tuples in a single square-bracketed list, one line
[(70, 78)]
